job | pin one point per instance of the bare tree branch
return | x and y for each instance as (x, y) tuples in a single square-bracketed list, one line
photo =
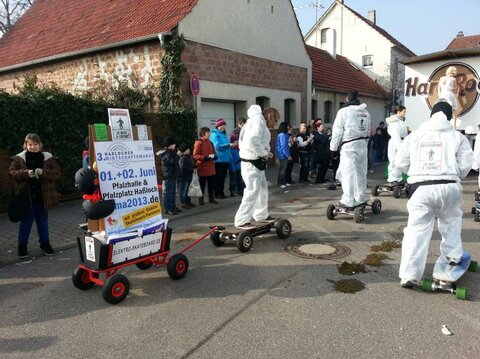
[(10, 11)]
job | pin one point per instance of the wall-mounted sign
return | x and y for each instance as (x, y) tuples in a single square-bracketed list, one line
[(456, 82), (195, 84)]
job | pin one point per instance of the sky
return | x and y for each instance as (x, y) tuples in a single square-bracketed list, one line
[(423, 26)]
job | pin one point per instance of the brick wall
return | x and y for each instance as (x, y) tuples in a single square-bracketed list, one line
[(80, 75), (215, 64)]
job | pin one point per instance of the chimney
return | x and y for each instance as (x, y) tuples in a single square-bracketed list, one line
[(372, 17), (332, 43), (460, 34)]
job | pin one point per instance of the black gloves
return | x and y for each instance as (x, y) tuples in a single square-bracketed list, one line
[(334, 154)]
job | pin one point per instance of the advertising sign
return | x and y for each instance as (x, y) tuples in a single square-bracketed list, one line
[(119, 122), (136, 247), (127, 174)]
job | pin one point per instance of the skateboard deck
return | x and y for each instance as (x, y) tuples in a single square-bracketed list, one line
[(445, 272)]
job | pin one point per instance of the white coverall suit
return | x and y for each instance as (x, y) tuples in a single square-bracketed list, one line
[(351, 130), (433, 152), (397, 129), (476, 157), (254, 142)]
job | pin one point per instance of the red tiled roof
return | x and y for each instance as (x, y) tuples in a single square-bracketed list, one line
[(340, 75), (465, 42), (55, 27)]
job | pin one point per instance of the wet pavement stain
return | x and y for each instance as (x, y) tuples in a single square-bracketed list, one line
[(387, 246), (347, 285), (375, 259), (351, 268)]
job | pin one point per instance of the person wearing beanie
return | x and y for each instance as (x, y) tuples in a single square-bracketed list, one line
[(222, 147), (436, 158), (351, 132), (169, 161), (397, 129)]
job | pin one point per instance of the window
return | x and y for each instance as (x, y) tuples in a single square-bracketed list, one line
[(327, 116), (367, 60), (323, 35), (263, 102), (289, 111), (314, 109)]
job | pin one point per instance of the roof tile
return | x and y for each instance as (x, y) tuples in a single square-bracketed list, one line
[(54, 27)]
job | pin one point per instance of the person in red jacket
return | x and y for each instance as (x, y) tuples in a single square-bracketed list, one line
[(204, 155)]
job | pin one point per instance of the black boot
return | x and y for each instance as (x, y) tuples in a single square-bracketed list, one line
[(211, 199), (200, 201)]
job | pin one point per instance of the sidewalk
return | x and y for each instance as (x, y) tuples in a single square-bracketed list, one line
[(64, 219)]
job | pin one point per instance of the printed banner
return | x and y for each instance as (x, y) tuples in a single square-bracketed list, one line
[(127, 174), (136, 247)]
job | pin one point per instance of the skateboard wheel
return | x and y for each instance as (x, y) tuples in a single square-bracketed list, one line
[(477, 196), (331, 211), (427, 285), (359, 214), (375, 190), (397, 192), (461, 293), (473, 266), (244, 242), (477, 216), (217, 239), (177, 266), (283, 229), (376, 206), (116, 288), (474, 210)]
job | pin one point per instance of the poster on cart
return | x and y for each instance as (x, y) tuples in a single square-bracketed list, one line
[(119, 122), (127, 174)]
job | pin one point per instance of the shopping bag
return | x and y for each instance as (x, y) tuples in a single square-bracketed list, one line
[(194, 189)]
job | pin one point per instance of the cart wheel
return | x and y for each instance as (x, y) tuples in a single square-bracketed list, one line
[(217, 239), (177, 266), (81, 279), (144, 265), (477, 216), (283, 229), (427, 285), (473, 266), (474, 210), (331, 211), (359, 214), (375, 190), (244, 242), (461, 293), (116, 288), (376, 206), (397, 192)]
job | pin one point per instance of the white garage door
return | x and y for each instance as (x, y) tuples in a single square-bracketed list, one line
[(212, 111)]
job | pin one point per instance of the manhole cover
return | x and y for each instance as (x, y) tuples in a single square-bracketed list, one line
[(317, 250)]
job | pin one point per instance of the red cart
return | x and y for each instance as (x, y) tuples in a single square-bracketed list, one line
[(98, 260)]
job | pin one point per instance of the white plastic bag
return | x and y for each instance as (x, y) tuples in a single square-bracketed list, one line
[(194, 189)]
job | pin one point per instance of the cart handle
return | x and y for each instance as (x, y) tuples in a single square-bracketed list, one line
[(212, 229), (218, 228)]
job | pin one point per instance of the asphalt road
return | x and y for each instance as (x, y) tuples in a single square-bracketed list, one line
[(266, 303)]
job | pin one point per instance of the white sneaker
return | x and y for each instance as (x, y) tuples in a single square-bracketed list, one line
[(283, 186), (288, 184)]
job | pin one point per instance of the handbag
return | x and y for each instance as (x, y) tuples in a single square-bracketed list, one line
[(194, 189), (19, 204)]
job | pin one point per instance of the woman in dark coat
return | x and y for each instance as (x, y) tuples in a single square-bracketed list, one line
[(322, 152)]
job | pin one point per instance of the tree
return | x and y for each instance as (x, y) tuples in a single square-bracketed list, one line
[(10, 11)]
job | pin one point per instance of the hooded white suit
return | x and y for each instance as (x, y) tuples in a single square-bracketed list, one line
[(254, 142), (433, 152), (351, 131), (397, 129)]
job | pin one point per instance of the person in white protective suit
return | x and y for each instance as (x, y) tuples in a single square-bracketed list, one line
[(476, 157), (436, 157), (254, 144), (351, 131), (397, 129)]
